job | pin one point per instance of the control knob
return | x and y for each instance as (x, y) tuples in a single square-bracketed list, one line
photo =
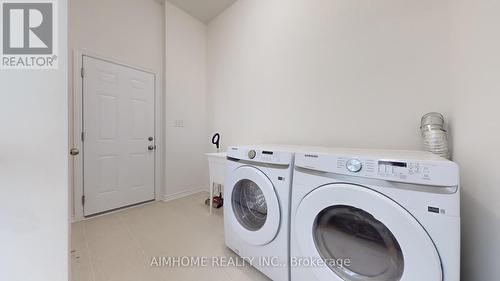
[(354, 165), (252, 154)]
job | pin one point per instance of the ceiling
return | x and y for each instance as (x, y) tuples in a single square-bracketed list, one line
[(204, 10)]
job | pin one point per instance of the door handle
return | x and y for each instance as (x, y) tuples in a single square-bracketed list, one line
[(152, 147), (74, 152)]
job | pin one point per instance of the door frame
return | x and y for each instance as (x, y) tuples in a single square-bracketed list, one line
[(76, 117)]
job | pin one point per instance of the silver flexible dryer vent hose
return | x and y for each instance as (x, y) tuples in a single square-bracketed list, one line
[(434, 134)]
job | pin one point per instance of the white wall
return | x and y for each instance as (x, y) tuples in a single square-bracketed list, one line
[(129, 31), (185, 89), (328, 72), (360, 73), (476, 133), (34, 170)]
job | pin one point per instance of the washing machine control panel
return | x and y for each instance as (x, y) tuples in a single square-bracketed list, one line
[(260, 155), (268, 156)]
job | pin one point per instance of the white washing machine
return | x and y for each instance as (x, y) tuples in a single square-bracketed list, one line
[(364, 215), (257, 207)]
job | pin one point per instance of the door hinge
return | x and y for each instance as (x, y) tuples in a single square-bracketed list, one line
[(82, 72), (83, 136), (83, 200)]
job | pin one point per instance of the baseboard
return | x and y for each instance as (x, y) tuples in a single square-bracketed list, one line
[(185, 193), (165, 198)]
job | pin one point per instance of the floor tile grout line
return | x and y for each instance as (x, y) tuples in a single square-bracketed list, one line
[(136, 240), (126, 220), (131, 234), (91, 263)]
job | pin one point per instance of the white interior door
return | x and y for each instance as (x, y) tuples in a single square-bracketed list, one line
[(118, 136)]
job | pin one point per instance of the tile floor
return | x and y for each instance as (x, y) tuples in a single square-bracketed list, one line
[(120, 246)]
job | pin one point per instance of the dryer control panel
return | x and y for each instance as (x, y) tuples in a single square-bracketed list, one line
[(416, 171), (404, 170)]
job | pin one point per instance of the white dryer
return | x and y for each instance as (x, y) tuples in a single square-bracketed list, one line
[(257, 207), (365, 215)]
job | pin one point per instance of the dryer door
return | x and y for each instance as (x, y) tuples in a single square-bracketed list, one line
[(255, 207), (362, 235)]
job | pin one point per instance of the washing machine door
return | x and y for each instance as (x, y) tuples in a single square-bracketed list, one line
[(361, 235), (255, 210)]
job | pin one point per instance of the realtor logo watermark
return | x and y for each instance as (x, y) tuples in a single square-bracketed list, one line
[(29, 34)]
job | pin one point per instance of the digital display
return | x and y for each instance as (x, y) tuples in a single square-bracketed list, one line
[(267, 152), (394, 164)]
